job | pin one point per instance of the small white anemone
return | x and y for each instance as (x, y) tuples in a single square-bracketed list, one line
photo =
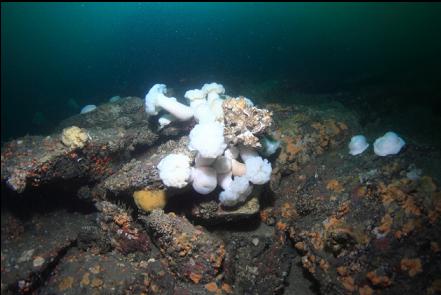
[(270, 146), (208, 139), (237, 191), (88, 108), (174, 170), (165, 120), (389, 144), (115, 98), (357, 145), (155, 99)]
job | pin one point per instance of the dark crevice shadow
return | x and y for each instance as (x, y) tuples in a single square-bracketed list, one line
[(58, 195)]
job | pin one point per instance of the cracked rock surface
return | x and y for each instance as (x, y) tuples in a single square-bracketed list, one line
[(328, 223)]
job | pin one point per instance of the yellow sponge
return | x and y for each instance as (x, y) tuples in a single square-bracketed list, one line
[(149, 200)]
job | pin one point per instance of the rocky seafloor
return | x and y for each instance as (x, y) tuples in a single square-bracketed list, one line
[(327, 223)]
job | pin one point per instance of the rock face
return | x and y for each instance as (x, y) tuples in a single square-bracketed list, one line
[(31, 249), (192, 253), (118, 228), (306, 133), (143, 174), (359, 225), (113, 130), (258, 268), (125, 113), (212, 213)]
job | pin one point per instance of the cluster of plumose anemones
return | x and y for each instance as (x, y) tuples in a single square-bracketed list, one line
[(226, 137)]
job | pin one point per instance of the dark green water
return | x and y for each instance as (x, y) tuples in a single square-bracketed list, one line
[(87, 53)]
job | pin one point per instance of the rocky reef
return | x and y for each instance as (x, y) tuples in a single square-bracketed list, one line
[(327, 223)]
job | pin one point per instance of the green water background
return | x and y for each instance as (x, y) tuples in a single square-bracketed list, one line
[(58, 57)]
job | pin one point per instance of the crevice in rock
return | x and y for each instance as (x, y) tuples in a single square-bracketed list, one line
[(46, 198), (35, 280)]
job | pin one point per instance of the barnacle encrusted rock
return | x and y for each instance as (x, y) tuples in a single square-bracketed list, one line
[(244, 122), (192, 252), (74, 137)]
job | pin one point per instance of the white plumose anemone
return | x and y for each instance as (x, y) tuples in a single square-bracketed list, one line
[(258, 170), (247, 153), (195, 96), (224, 180), (174, 170), (222, 165), (204, 179), (203, 113), (389, 144), (208, 139), (214, 164), (213, 90), (206, 103), (236, 191), (357, 145), (155, 99), (200, 161), (216, 109)]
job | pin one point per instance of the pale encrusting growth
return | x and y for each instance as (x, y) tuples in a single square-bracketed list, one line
[(74, 137)]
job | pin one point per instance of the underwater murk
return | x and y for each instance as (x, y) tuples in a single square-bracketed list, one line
[(220, 148)]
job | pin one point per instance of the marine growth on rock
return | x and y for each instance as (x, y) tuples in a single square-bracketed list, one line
[(223, 125)]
